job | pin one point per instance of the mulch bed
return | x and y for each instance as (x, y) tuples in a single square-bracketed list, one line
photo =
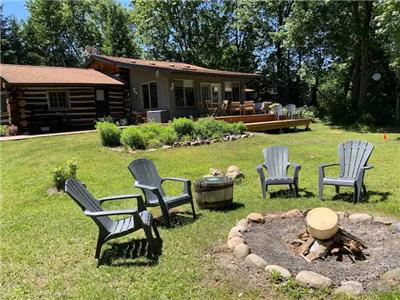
[(269, 241)]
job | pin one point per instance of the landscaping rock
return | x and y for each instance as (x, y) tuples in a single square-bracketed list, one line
[(378, 286), (234, 172), (395, 227), (166, 147), (255, 261), (53, 191), (236, 231), (243, 222), (294, 213), (350, 288), (255, 217), (360, 217), (314, 280), (241, 251), (233, 242), (285, 274), (342, 214), (152, 149), (392, 277), (216, 172), (272, 216), (383, 220)]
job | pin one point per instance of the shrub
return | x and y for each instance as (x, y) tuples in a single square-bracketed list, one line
[(133, 137), (109, 134), (63, 173), (183, 126), (186, 138), (168, 136), (3, 130), (11, 130), (209, 127), (238, 128)]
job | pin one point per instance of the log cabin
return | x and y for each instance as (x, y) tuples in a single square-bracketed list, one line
[(40, 99), (178, 88)]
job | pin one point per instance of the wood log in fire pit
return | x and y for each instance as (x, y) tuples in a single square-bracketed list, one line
[(322, 223)]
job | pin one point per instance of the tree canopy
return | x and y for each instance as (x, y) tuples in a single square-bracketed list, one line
[(319, 53)]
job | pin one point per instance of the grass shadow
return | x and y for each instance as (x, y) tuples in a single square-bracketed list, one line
[(177, 218), (285, 193), (377, 196), (133, 253), (227, 208), (365, 128)]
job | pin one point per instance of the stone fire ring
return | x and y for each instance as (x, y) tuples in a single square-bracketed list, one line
[(241, 251)]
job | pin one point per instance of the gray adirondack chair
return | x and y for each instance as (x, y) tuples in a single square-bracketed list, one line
[(109, 229), (276, 162), (353, 159), (148, 180)]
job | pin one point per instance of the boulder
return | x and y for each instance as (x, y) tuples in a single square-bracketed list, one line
[(216, 172), (314, 280), (272, 216), (255, 261), (234, 173), (294, 213), (255, 217), (360, 217), (243, 222), (236, 231), (378, 286), (342, 214), (233, 242), (392, 277), (285, 274), (241, 251), (350, 288)]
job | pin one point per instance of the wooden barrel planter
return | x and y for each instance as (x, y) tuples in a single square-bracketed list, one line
[(214, 191)]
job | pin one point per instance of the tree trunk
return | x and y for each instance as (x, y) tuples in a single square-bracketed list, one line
[(397, 112), (364, 56)]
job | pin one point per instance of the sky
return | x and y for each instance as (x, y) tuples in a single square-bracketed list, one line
[(17, 8)]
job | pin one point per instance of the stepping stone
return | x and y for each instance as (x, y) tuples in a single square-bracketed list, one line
[(241, 251), (285, 274), (314, 280), (255, 261)]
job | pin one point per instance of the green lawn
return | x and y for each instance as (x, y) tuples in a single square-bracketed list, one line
[(47, 244)]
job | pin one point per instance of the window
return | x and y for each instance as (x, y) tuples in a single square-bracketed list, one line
[(211, 91), (58, 100), (232, 91), (100, 95), (149, 94), (184, 92)]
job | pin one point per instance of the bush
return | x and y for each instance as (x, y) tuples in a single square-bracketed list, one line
[(238, 128), (3, 130), (133, 137), (183, 126), (168, 136), (63, 173), (109, 134), (209, 127)]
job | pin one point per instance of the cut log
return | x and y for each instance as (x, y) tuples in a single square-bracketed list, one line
[(321, 250), (322, 223), (305, 246)]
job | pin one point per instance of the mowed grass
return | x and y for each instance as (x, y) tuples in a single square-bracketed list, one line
[(47, 244)]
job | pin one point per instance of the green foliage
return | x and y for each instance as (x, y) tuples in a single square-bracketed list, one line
[(183, 126), (63, 173), (209, 127), (168, 136), (133, 137), (109, 133), (3, 130)]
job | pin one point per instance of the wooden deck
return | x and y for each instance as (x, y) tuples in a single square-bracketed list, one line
[(265, 122)]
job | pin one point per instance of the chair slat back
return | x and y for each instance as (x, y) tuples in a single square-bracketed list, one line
[(291, 109), (78, 192), (146, 173), (353, 155), (276, 160)]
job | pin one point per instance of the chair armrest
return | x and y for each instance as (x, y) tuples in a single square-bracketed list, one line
[(139, 198), (261, 172), (368, 167), (146, 187), (186, 183), (328, 165), (296, 167), (110, 212)]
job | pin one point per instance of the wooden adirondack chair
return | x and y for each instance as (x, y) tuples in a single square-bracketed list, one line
[(249, 106), (353, 159), (148, 180), (276, 162), (109, 229)]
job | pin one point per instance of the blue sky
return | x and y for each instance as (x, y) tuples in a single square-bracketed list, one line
[(17, 8)]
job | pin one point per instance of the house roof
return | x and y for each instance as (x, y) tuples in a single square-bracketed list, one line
[(173, 67), (43, 75)]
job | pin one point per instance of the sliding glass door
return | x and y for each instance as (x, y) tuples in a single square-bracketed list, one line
[(210, 91)]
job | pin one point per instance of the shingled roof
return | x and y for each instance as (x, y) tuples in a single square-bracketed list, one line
[(43, 75), (173, 67)]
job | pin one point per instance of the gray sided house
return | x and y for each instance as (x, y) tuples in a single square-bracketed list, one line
[(40, 99), (179, 88)]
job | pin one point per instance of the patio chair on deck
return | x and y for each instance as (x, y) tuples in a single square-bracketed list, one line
[(211, 107), (109, 229), (235, 107), (277, 164), (249, 106), (353, 159), (148, 180)]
